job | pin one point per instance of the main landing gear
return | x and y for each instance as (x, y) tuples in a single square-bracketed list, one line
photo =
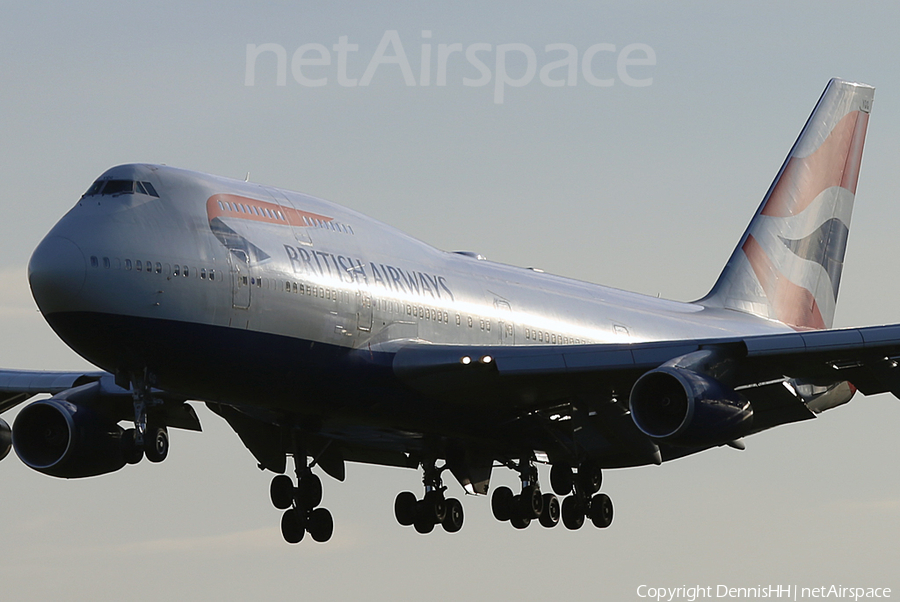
[(584, 501), (301, 504), (433, 509)]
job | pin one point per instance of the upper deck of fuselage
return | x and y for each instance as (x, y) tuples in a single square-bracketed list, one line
[(154, 209)]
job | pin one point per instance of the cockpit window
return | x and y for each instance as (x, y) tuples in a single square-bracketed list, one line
[(117, 187), (95, 188), (150, 189), (114, 187)]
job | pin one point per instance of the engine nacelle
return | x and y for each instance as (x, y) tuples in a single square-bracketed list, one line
[(683, 407), (62, 439), (5, 439)]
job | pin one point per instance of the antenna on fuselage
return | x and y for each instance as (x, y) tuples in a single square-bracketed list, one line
[(247, 177)]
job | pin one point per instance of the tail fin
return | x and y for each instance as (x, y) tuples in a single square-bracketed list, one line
[(788, 264)]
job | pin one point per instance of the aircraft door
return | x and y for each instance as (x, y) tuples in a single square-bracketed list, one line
[(506, 328), (240, 279), (364, 313)]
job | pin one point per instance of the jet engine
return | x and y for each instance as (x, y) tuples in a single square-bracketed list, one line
[(683, 407), (5, 438), (63, 439)]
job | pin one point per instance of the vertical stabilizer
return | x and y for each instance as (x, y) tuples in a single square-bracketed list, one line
[(788, 264)]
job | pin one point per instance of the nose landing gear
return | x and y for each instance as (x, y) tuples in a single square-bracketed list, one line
[(149, 437)]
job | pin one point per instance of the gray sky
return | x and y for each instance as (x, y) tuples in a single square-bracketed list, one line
[(642, 188)]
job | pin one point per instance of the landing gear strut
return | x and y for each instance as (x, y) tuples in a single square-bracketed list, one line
[(433, 509), (302, 514), (148, 437)]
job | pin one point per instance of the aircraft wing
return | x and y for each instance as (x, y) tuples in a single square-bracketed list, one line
[(17, 386), (534, 377)]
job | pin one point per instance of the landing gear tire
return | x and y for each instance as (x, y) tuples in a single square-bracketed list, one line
[(309, 491), (550, 516), (292, 526), (453, 519), (502, 503), (589, 478), (281, 491), (405, 508), (601, 511), (424, 521), (531, 503), (520, 522), (439, 509), (132, 451), (572, 513), (156, 443), (320, 525), (561, 479)]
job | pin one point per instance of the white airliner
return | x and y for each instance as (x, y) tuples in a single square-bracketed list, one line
[(323, 335)]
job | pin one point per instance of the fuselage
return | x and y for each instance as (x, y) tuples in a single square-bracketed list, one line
[(248, 294)]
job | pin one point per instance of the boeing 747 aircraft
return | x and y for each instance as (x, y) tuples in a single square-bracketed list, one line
[(325, 336)]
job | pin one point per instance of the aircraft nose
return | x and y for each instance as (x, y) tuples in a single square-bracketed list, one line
[(56, 273)]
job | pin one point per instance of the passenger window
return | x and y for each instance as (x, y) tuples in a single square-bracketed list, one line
[(106, 262), (203, 274), (158, 268), (94, 262), (127, 264), (185, 273), (212, 276), (138, 265)]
